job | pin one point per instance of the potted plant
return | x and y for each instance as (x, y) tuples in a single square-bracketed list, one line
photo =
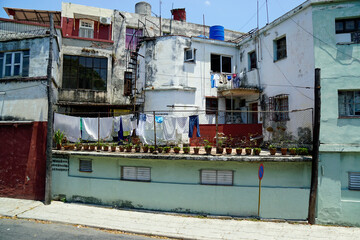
[(122, 148), (145, 148), (283, 151), (105, 146), (86, 146), (248, 150), (272, 150), (196, 150), (58, 137), (167, 149), (137, 148), (238, 151), (219, 147), (78, 145), (302, 151), (113, 147), (128, 147), (256, 151), (92, 146), (176, 149), (292, 151), (160, 149), (186, 150), (152, 148), (207, 147), (228, 150)]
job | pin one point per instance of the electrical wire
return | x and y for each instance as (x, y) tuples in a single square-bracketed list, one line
[(252, 17)]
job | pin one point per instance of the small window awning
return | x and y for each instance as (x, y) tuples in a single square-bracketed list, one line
[(239, 92), (31, 15), (86, 16)]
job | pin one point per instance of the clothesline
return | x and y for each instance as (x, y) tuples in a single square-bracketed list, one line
[(173, 129)]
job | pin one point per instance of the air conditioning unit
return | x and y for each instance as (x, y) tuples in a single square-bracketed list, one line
[(105, 20)]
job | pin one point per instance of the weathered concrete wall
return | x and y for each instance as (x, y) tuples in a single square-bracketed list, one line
[(175, 186), (292, 75), (170, 83), (339, 149)]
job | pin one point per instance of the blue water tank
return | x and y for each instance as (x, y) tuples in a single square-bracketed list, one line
[(217, 32)]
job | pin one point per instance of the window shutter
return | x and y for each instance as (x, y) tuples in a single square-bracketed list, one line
[(208, 177), (143, 174), (354, 180), (129, 173), (85, 165), (225, 177)]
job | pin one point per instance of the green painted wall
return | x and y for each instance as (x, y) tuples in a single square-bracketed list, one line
[(339, 138), (175, 186)]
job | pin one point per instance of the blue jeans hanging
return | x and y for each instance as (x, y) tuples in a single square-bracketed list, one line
[(194, 122)]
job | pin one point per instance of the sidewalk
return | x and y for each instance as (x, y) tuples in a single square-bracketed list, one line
[(168, 225)]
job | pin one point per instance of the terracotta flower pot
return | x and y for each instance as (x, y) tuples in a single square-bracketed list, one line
[(196, 150), (283, 151), (272, 151), (167, 150), (208, 151), (113, 148), (137, 149), (128, 149), (228, 150), (238, 151), (121, 148), (292, 151), (219, 150), (186, 151), (160, 149), (176, 150), (248, 151), (92, 147), (86, 147), (106, 148), (145, 149), (58, 146), (256, 152)]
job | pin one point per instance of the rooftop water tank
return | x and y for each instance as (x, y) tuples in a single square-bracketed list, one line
[(217, 32), (143, 8)]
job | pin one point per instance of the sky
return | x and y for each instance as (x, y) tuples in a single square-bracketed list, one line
[(237, 15)]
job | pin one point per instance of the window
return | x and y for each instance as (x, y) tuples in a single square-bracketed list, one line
[(85, 165), (280, 105), (189, 55), (351, 26), (220, 63), (354, 180), (136, 173), (132, 37), (127, 83), (84, 72), (211, 105), (280, 49), (14, 64), (86, 29), (216, 177), (252, 60), (349, 103)]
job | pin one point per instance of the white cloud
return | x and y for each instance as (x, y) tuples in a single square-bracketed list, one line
[(207, 3)]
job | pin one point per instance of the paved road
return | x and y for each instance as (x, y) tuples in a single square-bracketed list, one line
[(24, 230)]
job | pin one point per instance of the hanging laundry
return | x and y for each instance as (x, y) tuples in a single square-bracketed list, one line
[(91, 128), (141, 126), (216, 80), (129, 123), (169, 128), (182, 125), (69, 125), (121, 131), (159, 119), (194, 122), (212, 81)]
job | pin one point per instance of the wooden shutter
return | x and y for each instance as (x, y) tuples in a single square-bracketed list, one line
[(224, 177), (143, 174), (354, 180), (208, 177)]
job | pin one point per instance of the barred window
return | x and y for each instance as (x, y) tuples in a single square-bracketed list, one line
[(211, 105), (14, 64), (279, 106), (85, 165), (349, 103)]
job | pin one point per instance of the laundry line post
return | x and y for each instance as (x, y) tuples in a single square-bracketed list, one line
[(154, 128), (217, 127), (98, 130)]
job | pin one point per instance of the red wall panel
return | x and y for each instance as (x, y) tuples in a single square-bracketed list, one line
[(23, 160)]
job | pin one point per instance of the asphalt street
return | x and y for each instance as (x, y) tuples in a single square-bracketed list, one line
[(19, 229)]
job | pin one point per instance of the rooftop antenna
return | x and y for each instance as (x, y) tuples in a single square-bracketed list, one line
[(204, 23), (267, 13), (160, 18)]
